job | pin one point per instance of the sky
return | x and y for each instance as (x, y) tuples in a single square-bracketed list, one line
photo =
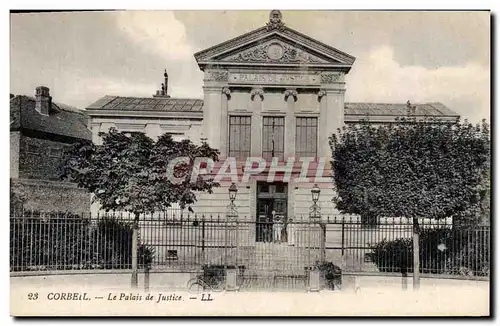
[(400, 56)]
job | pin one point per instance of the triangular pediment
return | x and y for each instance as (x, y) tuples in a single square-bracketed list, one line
[(274, 44), (275, 50)]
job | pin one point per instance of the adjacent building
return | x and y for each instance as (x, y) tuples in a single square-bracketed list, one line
[(40, 129)]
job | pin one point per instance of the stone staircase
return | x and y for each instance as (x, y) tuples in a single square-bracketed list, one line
[(281, 259)]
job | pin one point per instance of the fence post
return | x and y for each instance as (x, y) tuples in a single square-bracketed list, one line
[(146, 279), (203, 239), (225, 239), (135, 233), (404, 278), (343, 236), (416, 254), (323, 241)]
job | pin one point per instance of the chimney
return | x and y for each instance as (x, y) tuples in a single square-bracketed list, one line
[(166, 82), (43, 101), (163, 92)]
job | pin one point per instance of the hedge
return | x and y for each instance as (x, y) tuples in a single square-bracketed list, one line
[(442, 251)]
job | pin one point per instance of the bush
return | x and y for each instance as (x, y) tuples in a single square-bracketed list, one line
[(470, 255), (444, 251), (40, 243), (115, 249), (146, 255), (393, 256), (330, 274), (66, 241)]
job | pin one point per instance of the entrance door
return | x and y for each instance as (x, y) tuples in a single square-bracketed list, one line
[(271, 206)]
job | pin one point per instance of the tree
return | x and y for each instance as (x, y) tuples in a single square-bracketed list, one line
[(132, 173), (413, 169)]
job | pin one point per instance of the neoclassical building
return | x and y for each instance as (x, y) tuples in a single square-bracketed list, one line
[(272, 92)]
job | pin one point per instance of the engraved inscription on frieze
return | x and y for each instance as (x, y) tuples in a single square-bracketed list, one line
[(273, 78)]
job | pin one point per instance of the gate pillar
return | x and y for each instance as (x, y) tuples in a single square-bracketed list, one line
[(314, 281), (231, 279)]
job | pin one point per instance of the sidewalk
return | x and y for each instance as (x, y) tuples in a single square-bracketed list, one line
[(376, 296)]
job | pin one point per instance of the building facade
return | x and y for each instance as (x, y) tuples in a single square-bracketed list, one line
[(273, 93), (40, 129)]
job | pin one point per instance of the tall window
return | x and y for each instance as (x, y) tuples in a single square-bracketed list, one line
[(239, 136), (273, 137), (306, 137)]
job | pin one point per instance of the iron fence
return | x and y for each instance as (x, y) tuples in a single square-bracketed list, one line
[(173, 241)]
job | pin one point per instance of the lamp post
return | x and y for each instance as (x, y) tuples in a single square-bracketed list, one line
[(232, 196), (315, 213), (232, 215)]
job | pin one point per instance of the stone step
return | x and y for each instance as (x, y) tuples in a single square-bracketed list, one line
[(274, 257)]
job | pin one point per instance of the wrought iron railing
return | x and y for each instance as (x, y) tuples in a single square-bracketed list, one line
[(177, 241)]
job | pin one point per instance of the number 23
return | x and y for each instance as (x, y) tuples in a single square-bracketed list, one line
[(32, 296)]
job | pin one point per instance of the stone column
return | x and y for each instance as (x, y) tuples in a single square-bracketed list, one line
[(335, 111), (212, 103), (290, 99), (224, 122), (332, 110), (331, 119), (214, 81), (323, 148), (257, 96)]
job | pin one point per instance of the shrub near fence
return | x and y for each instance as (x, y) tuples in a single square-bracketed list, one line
[(442, 251), (66, 241)]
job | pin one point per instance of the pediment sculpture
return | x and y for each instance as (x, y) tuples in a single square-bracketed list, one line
[(274, 51)]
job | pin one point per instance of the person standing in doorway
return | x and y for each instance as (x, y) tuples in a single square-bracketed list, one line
[(277, 227)]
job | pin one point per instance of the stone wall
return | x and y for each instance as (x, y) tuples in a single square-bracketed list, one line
[(15, 138), (44, 195), (40, 158)]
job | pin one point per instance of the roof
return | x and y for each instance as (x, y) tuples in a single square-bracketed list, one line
[(117, 103), (352, 110), (63, 119), (397, 109)]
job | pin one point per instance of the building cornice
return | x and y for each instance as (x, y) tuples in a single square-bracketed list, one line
[(146, 114)]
